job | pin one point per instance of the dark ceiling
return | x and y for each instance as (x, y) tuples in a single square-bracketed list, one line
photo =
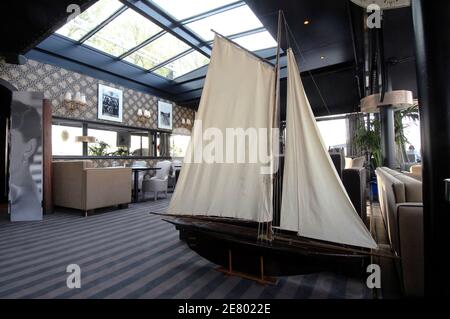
[(331, 46)]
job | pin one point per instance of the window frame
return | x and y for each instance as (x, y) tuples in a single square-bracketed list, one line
[(88, 124)]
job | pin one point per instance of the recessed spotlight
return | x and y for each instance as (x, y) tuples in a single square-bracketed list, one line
[(306, 22), (322, 57)]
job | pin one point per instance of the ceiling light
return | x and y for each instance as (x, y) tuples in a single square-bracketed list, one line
[(306, 22), (322, 57)]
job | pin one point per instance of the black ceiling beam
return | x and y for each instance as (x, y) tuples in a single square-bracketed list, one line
[(70, 50), (103, 24), (162, 19), (143, 44), (24, 24), (212, 12)]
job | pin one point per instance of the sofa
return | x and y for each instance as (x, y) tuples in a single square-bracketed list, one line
[(78, 185), (401, 206)]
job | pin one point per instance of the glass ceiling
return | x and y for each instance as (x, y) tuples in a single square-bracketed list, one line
[(158, 51), (88, 20), (226, 23), (112, 28), (123, 33), (183, 65), (182, 9)]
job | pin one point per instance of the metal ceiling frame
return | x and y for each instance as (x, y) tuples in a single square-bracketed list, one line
[(170, 25), (181, 88), (176, 57), (212, 12), (143, 44), (152, 12)]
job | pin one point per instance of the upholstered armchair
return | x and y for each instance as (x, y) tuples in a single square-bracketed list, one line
[(78, 185), (160, 182)]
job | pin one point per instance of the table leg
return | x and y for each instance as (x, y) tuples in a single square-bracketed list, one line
[(136, 186)]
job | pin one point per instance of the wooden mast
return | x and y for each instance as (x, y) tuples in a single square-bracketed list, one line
[(276, 196)]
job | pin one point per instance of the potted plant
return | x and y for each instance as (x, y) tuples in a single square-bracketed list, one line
[(99, 150), (369, 140)]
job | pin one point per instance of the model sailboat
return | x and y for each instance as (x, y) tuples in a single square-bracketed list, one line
[(222, 205)]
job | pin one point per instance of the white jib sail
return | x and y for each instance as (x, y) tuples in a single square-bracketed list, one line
[(238, 94), (314, 203)]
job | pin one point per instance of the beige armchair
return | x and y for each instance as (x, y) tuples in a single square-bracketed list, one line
[(76, 184)]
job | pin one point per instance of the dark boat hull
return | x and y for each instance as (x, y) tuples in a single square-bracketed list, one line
[(279, 258)]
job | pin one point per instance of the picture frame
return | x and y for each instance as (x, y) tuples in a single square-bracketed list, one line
[(110, 104), (123, 139), (165, 116)]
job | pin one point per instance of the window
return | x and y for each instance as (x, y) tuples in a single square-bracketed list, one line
[(124, 33), (183, 65), (226, 23), (412, 133), (182, 9), (179, 145), (139, 145), (158, 51), (106, 143), (257, 41), (63, 140), (334, 133), (91, 18)]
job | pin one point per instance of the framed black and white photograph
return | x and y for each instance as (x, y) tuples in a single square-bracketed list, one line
[(165, 118), (110, 103)]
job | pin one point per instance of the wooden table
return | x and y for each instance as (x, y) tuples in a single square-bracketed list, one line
[(136, 171)]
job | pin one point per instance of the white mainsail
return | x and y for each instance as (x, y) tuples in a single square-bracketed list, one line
[(314, 203), (238, 93)]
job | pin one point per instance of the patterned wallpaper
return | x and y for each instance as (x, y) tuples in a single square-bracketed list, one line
[(55, 82)]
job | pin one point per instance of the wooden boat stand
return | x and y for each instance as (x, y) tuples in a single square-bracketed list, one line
[(262, 279)]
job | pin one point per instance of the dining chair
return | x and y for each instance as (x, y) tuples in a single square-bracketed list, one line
[(158, 183)]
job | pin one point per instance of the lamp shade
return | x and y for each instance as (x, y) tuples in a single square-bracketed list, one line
[(383, 4), (397, 99), (85, 139)]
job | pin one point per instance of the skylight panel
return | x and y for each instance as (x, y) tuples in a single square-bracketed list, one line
[(257, 41), (124, 33), (182, 9), (227, 23), (158, 51), (89, 19), (183, 65)]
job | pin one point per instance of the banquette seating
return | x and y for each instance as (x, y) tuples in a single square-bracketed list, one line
[(401, 205)]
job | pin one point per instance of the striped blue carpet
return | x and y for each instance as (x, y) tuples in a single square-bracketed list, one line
[(130, 254)]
